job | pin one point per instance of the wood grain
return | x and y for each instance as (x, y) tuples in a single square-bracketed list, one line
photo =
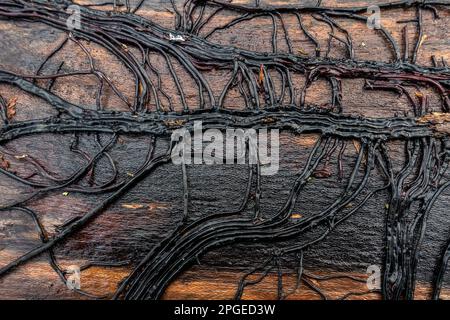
[(128, 230)]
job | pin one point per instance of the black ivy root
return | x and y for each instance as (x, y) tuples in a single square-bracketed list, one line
[(151, 111)]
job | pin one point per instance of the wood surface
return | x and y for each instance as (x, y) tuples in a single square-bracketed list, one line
[(131, 227)]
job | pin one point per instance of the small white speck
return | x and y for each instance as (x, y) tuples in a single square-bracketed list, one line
[(176, 37)]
